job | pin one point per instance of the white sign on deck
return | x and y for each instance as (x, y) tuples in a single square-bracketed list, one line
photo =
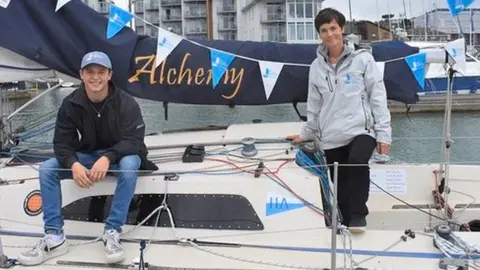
[(393, 181), (4, 3)]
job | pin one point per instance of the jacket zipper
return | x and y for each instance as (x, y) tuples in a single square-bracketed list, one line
[(330, 87), (365, 113)]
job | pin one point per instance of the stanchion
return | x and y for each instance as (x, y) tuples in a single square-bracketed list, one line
[(334, 217)]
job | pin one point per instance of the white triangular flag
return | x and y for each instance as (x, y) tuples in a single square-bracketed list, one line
[(4, 3), (61, 3), (456, 49), (166, 43), (270, 72)]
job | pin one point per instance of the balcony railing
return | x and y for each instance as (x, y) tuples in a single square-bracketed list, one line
[(274, 38), (200, 30), (228, 36), (153, 5), (171, 17), (227, 27), (166, 3), (197, 36), (190, 14), (274, 17), (138, 6), (226, 9)]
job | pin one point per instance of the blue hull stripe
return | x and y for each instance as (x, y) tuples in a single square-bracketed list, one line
[(399, 254), (459, 83)]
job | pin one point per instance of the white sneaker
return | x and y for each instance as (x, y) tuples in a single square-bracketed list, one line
[(113, 247), (48, 247)]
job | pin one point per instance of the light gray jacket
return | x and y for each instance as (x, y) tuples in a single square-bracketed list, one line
[(346, 100)]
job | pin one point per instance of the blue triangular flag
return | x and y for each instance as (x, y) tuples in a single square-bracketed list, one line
[(457, 6), (117, 19), (220, 62), (417, 62)]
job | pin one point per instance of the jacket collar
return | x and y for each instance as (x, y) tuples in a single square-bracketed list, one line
[(350, 49), (80, 96)]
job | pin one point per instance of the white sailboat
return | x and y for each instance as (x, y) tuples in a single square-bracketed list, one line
[(229, 210)]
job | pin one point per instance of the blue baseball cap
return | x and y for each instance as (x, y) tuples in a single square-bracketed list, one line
[(98, 58)]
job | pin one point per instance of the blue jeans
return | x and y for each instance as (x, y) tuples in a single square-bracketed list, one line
[(50, 177)]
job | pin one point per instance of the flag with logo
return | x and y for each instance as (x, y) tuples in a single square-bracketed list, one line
[(269, 72), (117, 19), (166, 43), (220, 62), (416, 63), (60, 4), (4, 3), (457, 6), (456, 50)]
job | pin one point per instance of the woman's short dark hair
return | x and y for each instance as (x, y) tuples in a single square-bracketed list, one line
[(327, 15)]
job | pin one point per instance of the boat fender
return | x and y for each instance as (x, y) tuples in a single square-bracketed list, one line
[(249, 149)]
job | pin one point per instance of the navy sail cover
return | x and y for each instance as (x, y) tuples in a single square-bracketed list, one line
[(58, 40)]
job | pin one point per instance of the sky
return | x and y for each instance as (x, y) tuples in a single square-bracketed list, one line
[(367, 9)]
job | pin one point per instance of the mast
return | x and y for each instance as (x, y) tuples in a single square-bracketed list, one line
[(379, 17), (350, 11), (412, 24), (426, 21), (389, 20)]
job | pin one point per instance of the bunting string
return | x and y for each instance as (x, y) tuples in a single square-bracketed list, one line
[(235, 55)]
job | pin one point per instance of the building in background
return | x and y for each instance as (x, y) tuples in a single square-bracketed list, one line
[(289, 21), (369, 31), (441, 27)]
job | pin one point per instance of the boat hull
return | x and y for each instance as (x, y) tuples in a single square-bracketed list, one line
[(244, 221)]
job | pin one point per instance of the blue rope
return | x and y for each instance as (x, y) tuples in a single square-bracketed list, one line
[(318, 167)]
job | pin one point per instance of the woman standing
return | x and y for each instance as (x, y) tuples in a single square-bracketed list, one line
[(347, 114)]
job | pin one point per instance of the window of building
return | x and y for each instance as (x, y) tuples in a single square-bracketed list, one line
[(228, 3), (291, 10), (308, 9), (309, 31), (300, 10), (300, 31), (291, 31)]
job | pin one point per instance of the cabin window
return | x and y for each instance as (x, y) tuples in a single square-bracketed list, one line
[(195, 211)]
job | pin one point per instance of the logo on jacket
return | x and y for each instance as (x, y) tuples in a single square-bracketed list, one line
[(350, 79)]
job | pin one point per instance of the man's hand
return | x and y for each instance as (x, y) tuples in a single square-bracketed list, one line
[(80, 175), (383, 148), (295, 139), (99, 169)]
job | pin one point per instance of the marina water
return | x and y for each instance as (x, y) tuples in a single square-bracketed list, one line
[(417, 137)]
